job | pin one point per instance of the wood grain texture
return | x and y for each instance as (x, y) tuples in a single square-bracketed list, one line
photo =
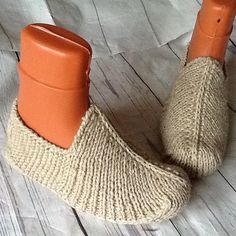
[(131, 89)]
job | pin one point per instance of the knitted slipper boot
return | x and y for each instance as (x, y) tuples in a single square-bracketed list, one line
[(194, 125), (99, 174)]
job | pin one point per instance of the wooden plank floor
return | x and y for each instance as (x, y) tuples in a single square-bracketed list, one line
[(131, 89)]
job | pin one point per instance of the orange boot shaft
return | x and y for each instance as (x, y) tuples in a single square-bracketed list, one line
[(212, 29), (54, 84)]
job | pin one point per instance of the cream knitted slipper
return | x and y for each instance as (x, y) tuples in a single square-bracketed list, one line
[(99, 174), (194, 125)]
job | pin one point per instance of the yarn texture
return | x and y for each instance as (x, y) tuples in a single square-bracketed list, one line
[(99, 174), (194, 124)]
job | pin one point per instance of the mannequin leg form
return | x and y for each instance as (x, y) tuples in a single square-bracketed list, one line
[(212, 30), (54, 84)]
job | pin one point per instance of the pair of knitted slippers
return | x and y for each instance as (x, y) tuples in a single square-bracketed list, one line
[(100, 174)]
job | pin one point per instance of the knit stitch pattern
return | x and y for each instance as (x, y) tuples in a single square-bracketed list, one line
[(194, 124), (99, 174)]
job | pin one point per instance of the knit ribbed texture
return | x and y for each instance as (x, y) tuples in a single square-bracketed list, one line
[(194, 125), (99, 174)]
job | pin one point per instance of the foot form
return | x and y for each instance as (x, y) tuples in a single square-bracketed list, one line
[(195, 119), (99, 174)]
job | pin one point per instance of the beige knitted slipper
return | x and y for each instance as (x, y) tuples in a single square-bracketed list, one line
[(194, 125), (99, 174)]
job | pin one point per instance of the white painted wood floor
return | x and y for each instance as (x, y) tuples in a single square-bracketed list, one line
[(131, 88)]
